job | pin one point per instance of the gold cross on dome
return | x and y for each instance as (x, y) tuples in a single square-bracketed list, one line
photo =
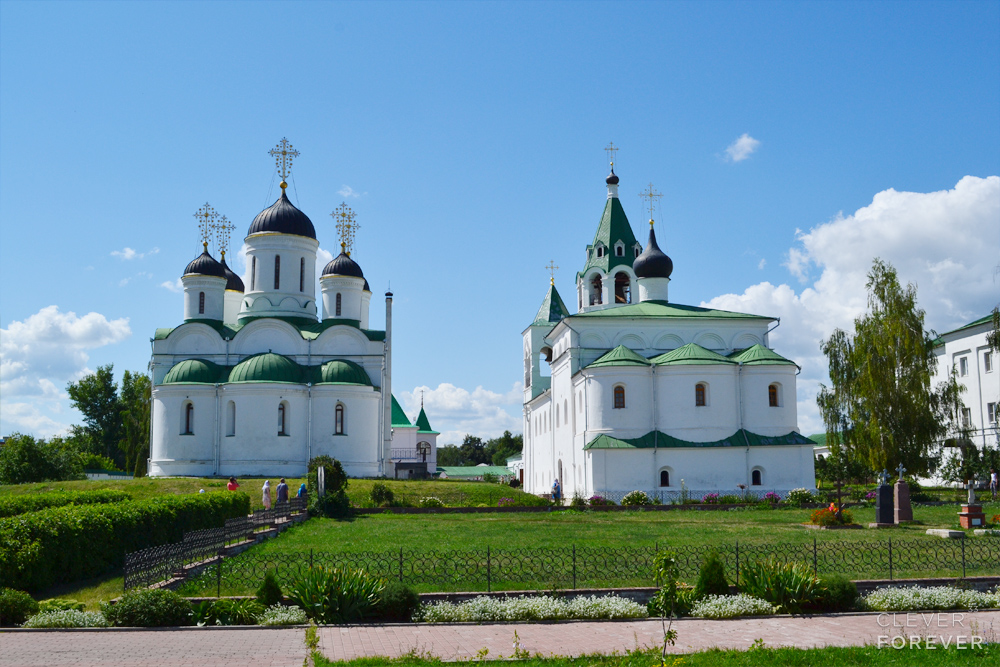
[(551, 266), (652, 196), (223, 229), (346, 226), (611, 150), (283, 154), (206, 217)]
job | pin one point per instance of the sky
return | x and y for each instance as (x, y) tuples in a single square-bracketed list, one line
[(793, 142)]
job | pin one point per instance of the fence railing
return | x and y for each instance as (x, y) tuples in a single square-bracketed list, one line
[(601, 567), (150, 566)]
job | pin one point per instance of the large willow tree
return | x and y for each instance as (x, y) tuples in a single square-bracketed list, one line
[(881, 408)]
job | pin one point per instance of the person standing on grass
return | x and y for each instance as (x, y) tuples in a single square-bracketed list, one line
[(993, 483), (302, 491), (232, 486), (282, 491), (266, 498), (556, 491)]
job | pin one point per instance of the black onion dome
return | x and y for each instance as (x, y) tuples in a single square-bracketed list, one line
[(282, 218), (612, 178), (205, 265), (652, 263), (233, 281), (366, 288), (342, 265)]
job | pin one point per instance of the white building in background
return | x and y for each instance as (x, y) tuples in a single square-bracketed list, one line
[(965, 350), (644, 394), (257, 382)]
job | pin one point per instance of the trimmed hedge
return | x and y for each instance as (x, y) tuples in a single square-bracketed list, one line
[(67, 544), (33, 502)]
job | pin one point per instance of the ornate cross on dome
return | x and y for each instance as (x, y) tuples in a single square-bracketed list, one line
[(223, 229), (651, 196), (283, 154), (611, 150), (552, 271), (346, 226), (206, 217)]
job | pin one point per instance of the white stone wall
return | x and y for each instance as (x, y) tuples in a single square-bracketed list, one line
[(982, 386), (214, 290), (352, 306), (261, 299)]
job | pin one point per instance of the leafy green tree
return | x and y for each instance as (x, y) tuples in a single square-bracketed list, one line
[(96, 396), (134, 411), (449, 455), (502, 448), (473, 451), (881, 407), (24, 459)]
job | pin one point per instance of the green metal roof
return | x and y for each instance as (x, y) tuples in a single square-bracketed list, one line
[(424, 424), (664, 309), (474, 471), (690, 354), (620, 356), (267, 367), (343, 371), (614, 227), (553, 309), (308, 329), (759, 355), (660, 440), (976, 323), (399, 417), (196, 371)]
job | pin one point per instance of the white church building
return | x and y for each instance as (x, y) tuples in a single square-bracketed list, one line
[(644, 394), (258, 380)]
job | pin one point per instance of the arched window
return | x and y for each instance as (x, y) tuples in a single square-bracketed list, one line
[(619, 396), (282, 417), (619, 251), (201, 303), (566, 411), (664, 478), (699, 394), (596, 291), (253, 273), (277, 271), (302, 274), (623, 290), (756, 477), (188, 419), (600, 251), (231, 418), (338, 421), (637, 251), (557, 415), (772, 395), (338, 305)]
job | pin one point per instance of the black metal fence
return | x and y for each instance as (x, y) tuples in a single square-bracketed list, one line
[(150, 566), (597, 567)]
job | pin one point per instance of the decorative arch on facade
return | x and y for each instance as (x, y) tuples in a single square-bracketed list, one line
[(711, 341), (592, 339), (341, 340), (632, 341), (266, 334), (668, 342), (619, 249), (194, 339), (745, 340), (595, 289), (623, 287)]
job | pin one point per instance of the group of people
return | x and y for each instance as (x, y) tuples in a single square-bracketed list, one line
[(281, 491)]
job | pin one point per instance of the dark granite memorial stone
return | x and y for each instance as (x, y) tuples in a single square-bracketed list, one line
[(884, 506)]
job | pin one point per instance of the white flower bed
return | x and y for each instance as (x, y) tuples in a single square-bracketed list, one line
[(281, 615), (543, 608), (916, 598), (731, 606), (67, 618)]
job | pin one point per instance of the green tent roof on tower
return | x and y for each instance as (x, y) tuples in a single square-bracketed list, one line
[(399, 417), (614, 227), (553, 309), (424, 424)]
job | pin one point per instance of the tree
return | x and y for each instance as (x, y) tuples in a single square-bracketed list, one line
[(96, 396), (134, 410), (502, 448), (881, 407), (473, 451), (24, 459), (993, 337)]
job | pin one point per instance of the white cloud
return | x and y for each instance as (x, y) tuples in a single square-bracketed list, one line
[(127, 254), (174, 286), (142, 274), (40, 355), (945, 242), (348, 191), (742, 148), (762, 263), (455, 411)]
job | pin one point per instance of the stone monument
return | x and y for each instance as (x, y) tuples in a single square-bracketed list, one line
[(972, 515), (883, 501), (904, 511)]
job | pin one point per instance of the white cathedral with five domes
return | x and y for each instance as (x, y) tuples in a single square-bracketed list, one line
[(257, 382)]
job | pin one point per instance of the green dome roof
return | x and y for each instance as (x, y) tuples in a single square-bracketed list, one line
[(268, 367), (192, 371), (345, 372)]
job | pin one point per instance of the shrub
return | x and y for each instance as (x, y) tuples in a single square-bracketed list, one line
[(541, 608), (800, 497), (836, 593), (269, 593), (827, 517), (916, 598), (431, 501), (730, 499), (91, 461), (635, 498), (597, 501), (280, 615), (578, 501), (33, 502), (333, 475), (66, 544), (331, 505), (336, 595), (381, 495), (397, 602), (16, 607), (505, 502), (56, 604), (24, 459), (67, 618), (788, 586), (711, 577), (711, 498), (234, 612), (148, 609), (490, 478), (731, 606), (772, 497)]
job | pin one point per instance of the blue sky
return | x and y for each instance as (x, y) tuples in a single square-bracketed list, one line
[(468, 138)]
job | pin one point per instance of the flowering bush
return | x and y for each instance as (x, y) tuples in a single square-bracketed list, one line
[(485, 609), (799, 496), (870, 496), (710, 498), (730, 606), (914, 598), (996, 519), (279, 614), (67, 618), (828, 517), (506, 502), (633, 498), (772, 497), (599, 500), (431, 501)]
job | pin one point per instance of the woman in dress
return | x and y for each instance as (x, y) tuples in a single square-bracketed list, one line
[(267, 494)]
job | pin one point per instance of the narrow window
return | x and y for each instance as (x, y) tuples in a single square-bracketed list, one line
[(755, 478), (253, 273), (619, 397), (963, 366), (699, 394), (189, 419), (557, 416), (619, 251), (988, 361), (277, 271), (231, 419), (623, 292), (281, 420), (664, 478), (966, 417), (338, 424), (201, 303), (991, 413), (772, 395), (596, 290), (302, 274), (600, 251), (636, 252), (338, 305)]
